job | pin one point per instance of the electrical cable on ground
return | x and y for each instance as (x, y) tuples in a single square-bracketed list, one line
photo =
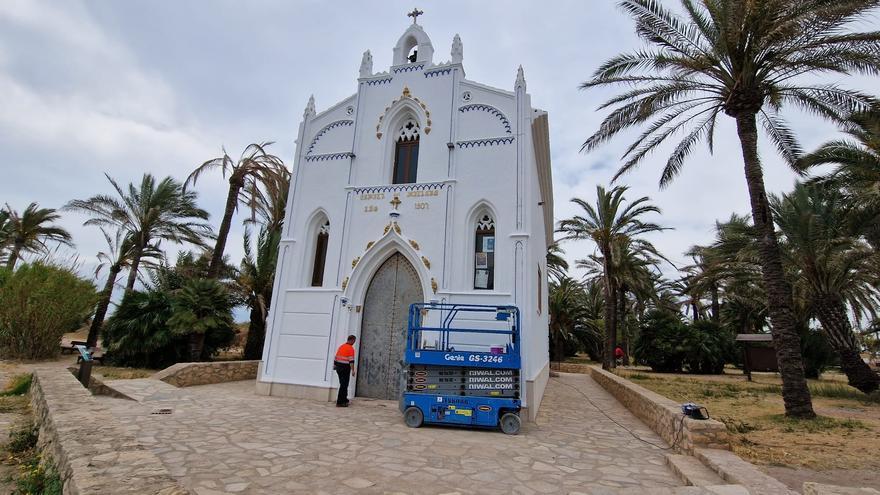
[(678, 433)]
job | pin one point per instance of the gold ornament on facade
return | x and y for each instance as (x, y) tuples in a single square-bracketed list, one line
[(345, 283), (406, 93), (355, 261), (369, 245), (397, 228), (414, 244), (387, 228), (434, 285), (426, 262)]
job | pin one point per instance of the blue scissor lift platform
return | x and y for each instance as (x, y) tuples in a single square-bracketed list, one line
[(462, 364)]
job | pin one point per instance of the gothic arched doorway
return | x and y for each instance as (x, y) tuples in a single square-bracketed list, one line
[(394, 287)]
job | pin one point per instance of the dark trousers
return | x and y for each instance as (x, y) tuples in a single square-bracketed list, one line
[(344, 373)]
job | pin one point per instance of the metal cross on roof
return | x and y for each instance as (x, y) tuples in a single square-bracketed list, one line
[(415, 14)]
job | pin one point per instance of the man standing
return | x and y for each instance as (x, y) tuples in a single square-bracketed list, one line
[(343, 363)]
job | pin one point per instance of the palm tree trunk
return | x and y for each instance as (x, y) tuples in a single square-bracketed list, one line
[(196, 345), (253, 347), (622, 324), (795, 393), (133, 269), (17, 246), (235, 185), (610, 312), (831, 313), (103, 304)]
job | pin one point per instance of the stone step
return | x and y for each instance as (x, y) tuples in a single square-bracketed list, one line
[(691, 471), (734, 469)]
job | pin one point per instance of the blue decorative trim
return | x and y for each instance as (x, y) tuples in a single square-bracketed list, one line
[(408, 68), (438, 72), (479, 143), (376, 82), (327, 128), (487, 108), (329, 156), (400, 187)]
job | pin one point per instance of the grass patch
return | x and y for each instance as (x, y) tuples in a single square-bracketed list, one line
[(816, 425), (38, 475), (22, 438), (841, 438), (122, 373), (637, 376), (18, 385)]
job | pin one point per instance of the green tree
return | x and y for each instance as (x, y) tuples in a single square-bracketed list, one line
[(201, 307), (147, 214), (606, 223), (836, 271), (118, 257), (745, 60), (254, 167), (255, 280), (29, 231), (38, 304), (557, 267), (858, 168)]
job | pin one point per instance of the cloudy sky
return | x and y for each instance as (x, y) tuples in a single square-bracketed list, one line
[(127, 87)]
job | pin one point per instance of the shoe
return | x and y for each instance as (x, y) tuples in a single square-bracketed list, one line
[(342, 405)]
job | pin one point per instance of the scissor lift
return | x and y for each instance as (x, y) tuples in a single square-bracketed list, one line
[(460, 375)]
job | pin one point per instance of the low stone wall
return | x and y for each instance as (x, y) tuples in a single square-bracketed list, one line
[(663, 415), (190, 374), (93, 453)]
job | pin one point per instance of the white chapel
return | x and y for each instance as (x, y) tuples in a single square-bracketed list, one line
[(423, 186)]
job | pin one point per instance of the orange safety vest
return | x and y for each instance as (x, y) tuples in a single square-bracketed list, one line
[(345, 354)]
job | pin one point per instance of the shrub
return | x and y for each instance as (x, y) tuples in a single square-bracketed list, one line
[(38, 304), (138, 335), (708, 346), (667, 344), (660, 344), (818, 354), (201, 307), (22, 438)]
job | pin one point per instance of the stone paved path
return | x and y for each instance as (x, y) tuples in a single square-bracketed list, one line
[(225, 439)]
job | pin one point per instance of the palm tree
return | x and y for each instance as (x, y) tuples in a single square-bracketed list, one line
[(200, 307), (743, 59), (858, 168), (255, 280), (557, 267), (30, 231), (835, 270), (5, 237), (149, 213), (574, 318), (254, 166), (118, 257), (610, 221)]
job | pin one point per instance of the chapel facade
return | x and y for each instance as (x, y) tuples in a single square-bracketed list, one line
[(422, 186)]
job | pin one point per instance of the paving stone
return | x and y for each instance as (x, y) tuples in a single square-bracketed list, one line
[(279, 445)]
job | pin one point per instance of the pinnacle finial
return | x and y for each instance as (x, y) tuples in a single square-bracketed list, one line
[(310, 107), (415, 14), (457, 50), (367, 64), (520, 79)]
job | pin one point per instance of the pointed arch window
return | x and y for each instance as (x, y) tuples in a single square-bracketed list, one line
[(484, 253), (406, 153), (321, 241)]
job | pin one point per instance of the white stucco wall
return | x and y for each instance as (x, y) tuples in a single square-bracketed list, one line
[(475, 155)]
